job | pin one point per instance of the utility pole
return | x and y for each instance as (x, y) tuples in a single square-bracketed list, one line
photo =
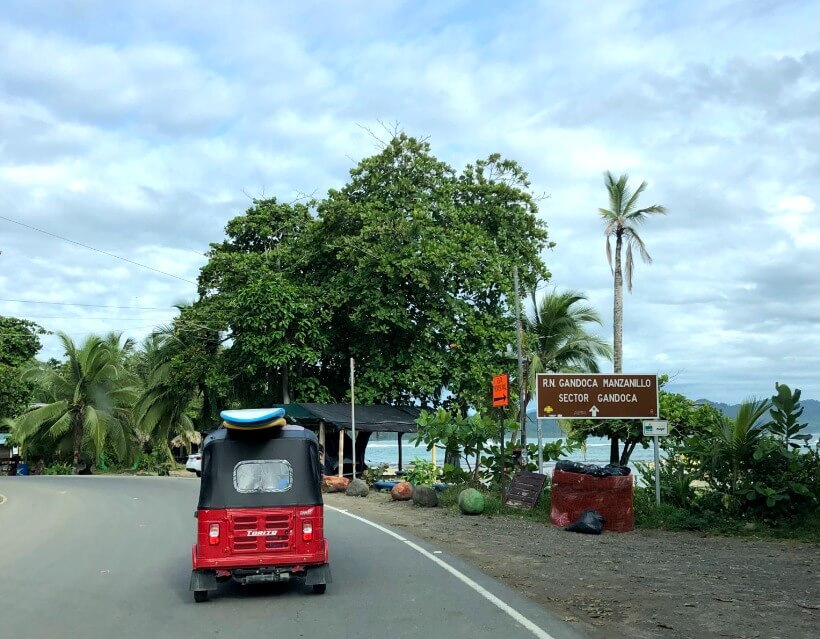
[(353, 410), (522, 408)]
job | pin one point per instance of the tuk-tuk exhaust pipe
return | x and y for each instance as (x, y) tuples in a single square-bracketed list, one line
[(246, 578)]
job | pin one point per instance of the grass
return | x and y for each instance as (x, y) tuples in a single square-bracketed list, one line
[(664, 517), (648, 515), (448, 498)]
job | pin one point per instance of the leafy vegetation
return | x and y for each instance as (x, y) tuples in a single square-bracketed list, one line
[(19, 343), (84, 404), (372, 474), (742, 467), (558, 339), (407, 267), (421, 473)]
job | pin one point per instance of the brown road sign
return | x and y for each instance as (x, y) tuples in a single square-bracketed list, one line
[(501, 390), (590, 396)]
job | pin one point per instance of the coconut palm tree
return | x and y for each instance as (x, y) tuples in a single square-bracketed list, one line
[(160, 411), (85, 403), (622, 219), (557, 337), (737, 438)]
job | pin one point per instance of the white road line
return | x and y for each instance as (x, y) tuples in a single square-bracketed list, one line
[(2, 499), (512, 612)]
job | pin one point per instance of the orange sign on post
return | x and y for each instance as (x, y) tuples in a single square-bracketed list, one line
[(501, 390)]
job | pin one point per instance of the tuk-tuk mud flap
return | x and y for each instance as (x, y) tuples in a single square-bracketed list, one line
[(318, 575), (202, 580)]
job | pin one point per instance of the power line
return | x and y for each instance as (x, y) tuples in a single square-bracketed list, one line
[(146, 308), (91, 248), (81, 318)]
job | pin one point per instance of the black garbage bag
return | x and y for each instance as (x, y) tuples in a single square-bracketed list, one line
[(617, 471), (610, 470), (590, 522), (571, 466)]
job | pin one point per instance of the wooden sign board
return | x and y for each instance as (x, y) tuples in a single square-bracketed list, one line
[(501, 390), (597, 396), (525, 490)]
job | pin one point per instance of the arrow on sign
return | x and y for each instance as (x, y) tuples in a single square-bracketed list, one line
[(594, 411)]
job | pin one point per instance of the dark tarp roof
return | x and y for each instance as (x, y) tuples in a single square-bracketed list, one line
[(223, 449), (390, 419)]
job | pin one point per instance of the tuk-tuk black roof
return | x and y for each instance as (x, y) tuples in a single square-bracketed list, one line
[(224, 448)]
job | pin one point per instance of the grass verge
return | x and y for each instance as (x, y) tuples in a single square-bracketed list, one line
[(648, 515), (664, 517)]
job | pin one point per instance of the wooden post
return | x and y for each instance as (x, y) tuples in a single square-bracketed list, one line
[(399, 434), (341, 452), (322, 443)]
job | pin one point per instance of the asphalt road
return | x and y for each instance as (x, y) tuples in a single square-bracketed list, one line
[(105, 557)]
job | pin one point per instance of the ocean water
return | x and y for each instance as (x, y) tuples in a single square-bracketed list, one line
[(386, 451), (596, 452)]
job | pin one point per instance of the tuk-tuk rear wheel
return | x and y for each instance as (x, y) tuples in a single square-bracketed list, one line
[(200, 596), (319, 589)]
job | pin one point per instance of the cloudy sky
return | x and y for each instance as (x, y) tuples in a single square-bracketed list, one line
[(140, 128)]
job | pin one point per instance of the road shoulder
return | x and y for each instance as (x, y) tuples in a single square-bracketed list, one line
[(639, 584)]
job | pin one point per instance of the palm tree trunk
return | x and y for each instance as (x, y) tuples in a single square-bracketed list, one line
[(618, 330), (618, 315), (77, 442)]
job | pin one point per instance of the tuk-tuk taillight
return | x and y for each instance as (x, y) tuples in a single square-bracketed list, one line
[(307, 531), (213, 535)]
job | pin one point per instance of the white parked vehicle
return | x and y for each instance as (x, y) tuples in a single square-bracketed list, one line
[(194, 464)]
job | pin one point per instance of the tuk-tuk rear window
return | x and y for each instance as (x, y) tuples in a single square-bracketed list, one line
[(263, 476)]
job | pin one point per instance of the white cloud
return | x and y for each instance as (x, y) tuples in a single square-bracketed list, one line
[(138, 128)]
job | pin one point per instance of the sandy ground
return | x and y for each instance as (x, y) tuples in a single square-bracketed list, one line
[(642, 584)]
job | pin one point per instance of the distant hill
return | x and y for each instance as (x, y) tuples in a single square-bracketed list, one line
[(811, 415), (811, 411)]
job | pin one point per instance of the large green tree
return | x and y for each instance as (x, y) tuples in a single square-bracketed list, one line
[(622, 220), (19, 343), (257, 284), (84, 404), (407, 268), (416, 263)]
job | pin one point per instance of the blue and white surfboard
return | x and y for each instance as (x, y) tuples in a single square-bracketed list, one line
[(253, 417)]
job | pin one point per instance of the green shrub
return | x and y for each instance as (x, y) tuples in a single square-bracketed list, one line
[(156, 461), (372, 474), (421, 473), (59, 468)]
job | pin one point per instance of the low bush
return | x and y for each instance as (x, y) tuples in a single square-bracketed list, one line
[(58, 468), (421, 473)]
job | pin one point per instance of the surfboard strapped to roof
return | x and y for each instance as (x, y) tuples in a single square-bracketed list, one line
[(253, 418)]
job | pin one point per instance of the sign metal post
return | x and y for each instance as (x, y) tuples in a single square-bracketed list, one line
[(656, 428)]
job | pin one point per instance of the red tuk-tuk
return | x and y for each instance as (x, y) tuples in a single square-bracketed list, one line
[(260, 517)]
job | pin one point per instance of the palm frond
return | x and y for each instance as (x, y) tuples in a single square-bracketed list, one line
[(94, 428), (640, 216), (61, 427), (609, 253), (39, 419), (634, 239), (630, 203), (628, 267)]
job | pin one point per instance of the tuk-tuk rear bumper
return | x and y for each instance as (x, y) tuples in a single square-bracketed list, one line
[(273, 560)]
